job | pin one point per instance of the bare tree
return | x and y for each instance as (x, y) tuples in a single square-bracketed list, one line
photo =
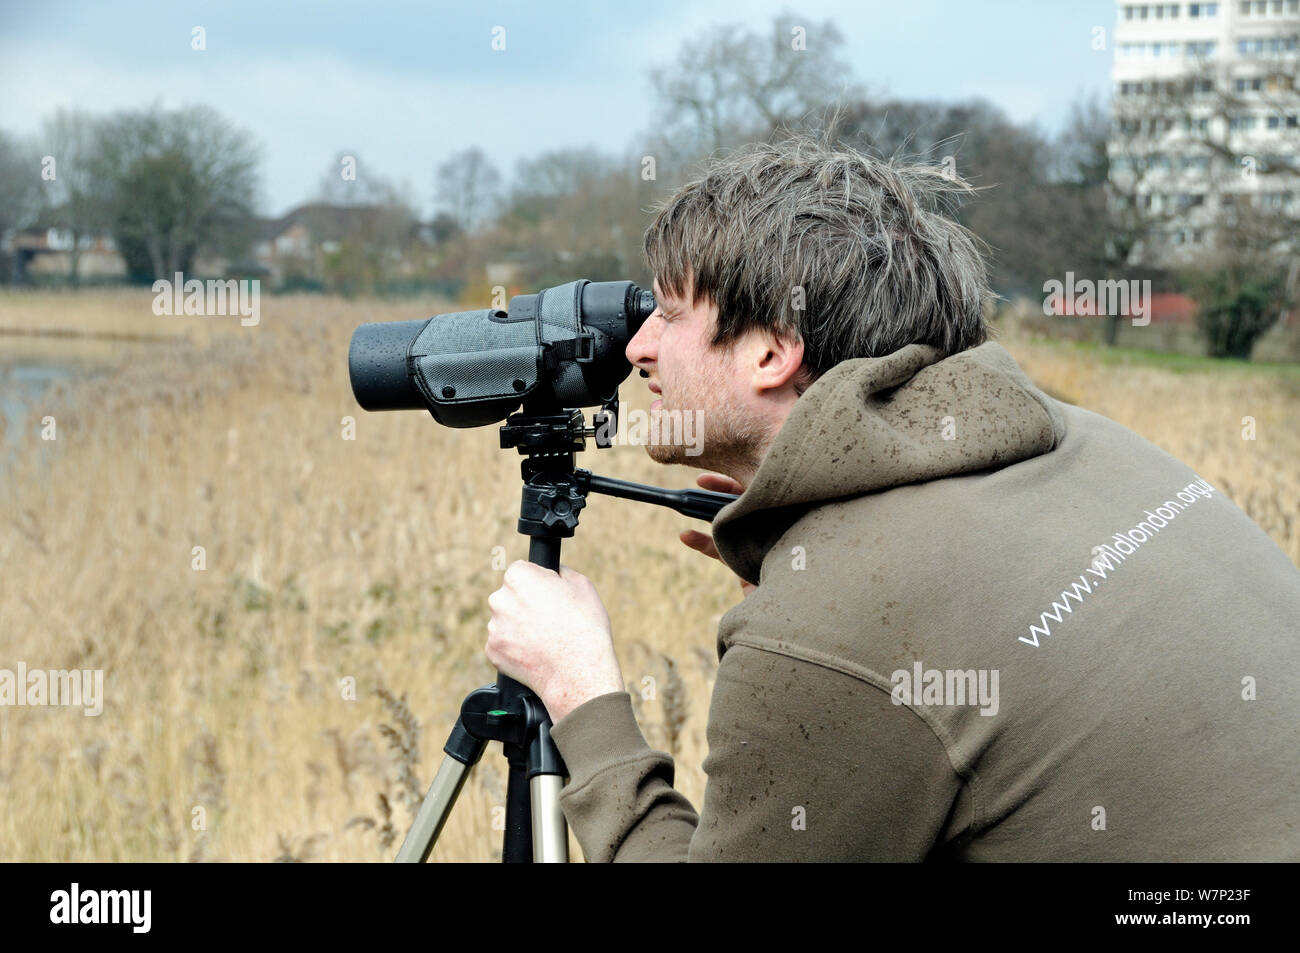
[(176, 182), (1108, 175), (1028, 219), (20, 186), (553, 175), (75, 197), (575, 213), (350, 181), (734, 83), (467, 188)]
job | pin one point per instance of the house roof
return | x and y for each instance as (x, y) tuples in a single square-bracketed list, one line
[(324, 221)]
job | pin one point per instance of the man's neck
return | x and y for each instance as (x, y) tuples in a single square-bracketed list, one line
[(744, 467)]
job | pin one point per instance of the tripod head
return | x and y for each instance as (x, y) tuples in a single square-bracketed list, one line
[(555, 491)]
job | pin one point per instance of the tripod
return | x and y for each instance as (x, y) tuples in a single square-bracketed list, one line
[(554, 492)]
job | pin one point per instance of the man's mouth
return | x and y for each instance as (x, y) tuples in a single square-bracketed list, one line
[(654, 388)]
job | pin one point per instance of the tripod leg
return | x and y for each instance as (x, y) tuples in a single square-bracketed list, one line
[(550, 832), (463, 751), (546, 774), (517, 846)]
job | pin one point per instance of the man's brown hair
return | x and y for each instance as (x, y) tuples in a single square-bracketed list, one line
[(821, 241)]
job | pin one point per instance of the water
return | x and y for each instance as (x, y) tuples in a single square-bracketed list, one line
[(21, 389)]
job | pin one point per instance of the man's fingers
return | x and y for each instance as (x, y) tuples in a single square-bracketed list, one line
[(700, 542), (718, 483)]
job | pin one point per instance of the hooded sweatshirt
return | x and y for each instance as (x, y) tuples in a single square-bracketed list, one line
[(989, 626)]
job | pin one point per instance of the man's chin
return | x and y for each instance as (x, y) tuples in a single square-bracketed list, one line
[(667, 453), (676, 455)]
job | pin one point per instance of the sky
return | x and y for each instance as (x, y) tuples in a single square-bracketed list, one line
[(404, 85)]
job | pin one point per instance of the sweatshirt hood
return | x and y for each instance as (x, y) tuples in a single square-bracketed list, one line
[(873, 423)]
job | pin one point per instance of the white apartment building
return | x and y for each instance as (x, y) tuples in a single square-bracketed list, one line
[(1187, 74)]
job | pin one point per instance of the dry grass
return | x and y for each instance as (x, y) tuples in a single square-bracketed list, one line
[(1200, 418), (290, 700)]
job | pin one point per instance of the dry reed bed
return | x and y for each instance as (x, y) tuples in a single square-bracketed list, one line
[(226, 733)]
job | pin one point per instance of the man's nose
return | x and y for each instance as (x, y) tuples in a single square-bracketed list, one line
[(640, 350)]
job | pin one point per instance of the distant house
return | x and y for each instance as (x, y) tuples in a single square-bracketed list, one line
[(295, 245), (506, 271), (42, 252)]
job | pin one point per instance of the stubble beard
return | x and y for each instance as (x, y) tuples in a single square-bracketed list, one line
[(729, 441)]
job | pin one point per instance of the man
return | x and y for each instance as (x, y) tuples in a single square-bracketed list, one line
[(980, 623)]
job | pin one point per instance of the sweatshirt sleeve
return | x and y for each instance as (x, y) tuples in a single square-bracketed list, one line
[(805, 763)]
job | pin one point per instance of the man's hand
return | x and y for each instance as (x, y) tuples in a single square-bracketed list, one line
[(551, 632), (703, 542)]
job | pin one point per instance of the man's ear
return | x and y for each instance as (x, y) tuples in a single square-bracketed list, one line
[(777, 360)]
